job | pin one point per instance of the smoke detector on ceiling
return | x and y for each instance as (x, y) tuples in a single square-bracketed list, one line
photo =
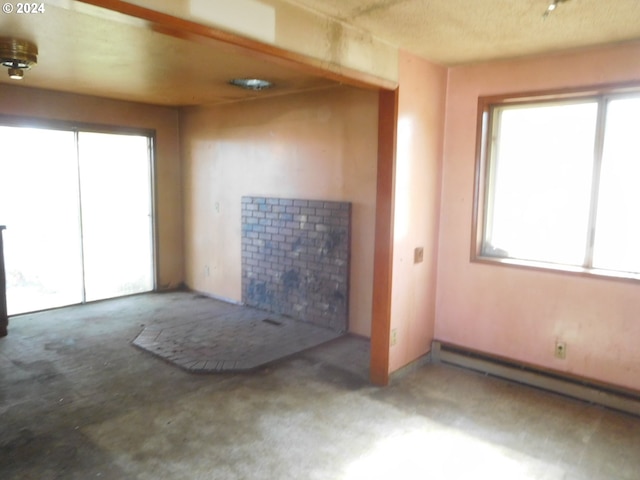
[(18, 56)]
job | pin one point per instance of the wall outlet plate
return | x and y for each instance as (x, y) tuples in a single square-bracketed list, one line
[(418, 255), (561, 350)]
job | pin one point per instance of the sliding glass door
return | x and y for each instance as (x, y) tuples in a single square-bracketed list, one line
[(115, 182), (78, 211), (39, 206)]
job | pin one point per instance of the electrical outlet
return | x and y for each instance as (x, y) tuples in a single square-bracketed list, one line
[(207, 272), (561, 350), (394, 336)]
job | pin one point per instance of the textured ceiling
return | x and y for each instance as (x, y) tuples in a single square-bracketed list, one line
[(452, 32), (94, 51)]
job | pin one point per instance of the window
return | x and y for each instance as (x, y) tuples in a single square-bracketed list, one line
[(558, 183)]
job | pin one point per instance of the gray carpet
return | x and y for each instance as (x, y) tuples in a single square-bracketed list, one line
[(78, 402)]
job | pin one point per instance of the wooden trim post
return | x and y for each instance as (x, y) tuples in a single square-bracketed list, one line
[(383, 252)]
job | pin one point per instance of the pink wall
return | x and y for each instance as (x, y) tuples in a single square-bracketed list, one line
[(515, 312), (316, 145), (417, 204)]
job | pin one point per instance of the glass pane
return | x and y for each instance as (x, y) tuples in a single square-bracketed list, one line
[(116, 214), (617, 243), (39, 206), (541, 182)]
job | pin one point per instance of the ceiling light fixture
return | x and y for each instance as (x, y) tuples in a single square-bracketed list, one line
[(17, 56), (552, 6), (251, 83)]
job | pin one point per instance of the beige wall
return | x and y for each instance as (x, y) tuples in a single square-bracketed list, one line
[(420, 132), (319, 145), (43, 104), (514, 312)]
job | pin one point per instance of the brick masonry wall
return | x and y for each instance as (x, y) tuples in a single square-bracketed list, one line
[(295, 258)]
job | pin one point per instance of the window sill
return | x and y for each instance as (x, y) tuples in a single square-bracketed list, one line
[(557, 268)]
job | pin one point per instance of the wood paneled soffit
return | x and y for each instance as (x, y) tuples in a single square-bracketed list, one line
[(281, 31), (120, 50)]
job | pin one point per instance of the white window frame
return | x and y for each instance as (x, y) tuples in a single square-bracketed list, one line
[(483, 173)]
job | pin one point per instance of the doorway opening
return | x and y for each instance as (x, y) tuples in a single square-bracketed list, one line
[(78, 209)]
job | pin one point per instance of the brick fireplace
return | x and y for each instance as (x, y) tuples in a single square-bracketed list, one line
[(295, 258)]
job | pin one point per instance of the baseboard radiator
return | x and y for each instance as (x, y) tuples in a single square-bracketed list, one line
[(605, 395)]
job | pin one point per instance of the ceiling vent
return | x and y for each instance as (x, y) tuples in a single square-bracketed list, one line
[(251, 83)]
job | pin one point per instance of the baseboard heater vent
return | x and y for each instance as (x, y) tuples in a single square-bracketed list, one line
[(605, 395)]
